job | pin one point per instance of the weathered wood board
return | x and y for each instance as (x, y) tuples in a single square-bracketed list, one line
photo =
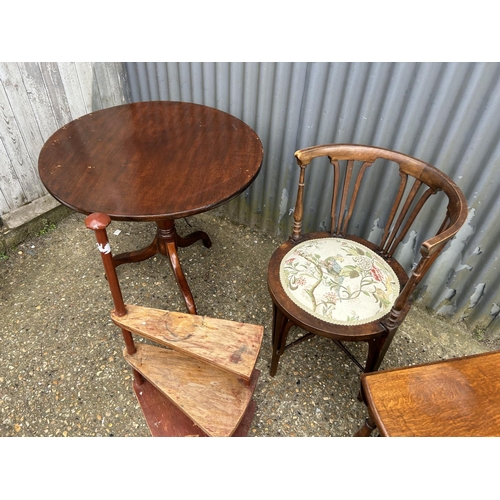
[(36, 99), (215, 400), (228, 345)]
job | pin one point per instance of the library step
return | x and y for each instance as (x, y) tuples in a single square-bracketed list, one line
[(228, 345), (216, 401), (164, 419)]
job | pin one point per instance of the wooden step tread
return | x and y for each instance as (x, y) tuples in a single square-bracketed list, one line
[(213, 399), (164, 419), (228, 345)]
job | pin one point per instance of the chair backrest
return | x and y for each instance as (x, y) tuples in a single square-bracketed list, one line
[(418, 182)]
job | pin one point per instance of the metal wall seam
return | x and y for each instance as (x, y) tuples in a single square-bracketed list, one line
[(443, 113)]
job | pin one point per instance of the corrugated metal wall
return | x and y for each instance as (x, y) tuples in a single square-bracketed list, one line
[(444, 113), (447, 114), (35, 100)]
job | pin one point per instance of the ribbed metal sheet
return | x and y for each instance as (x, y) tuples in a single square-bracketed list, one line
[(444, 113)]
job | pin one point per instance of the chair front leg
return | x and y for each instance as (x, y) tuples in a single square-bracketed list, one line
[(281, 327), (377, 349)]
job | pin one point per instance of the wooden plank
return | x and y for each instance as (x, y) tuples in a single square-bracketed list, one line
[(12, 192), (101, 85), (77, 79), (102, 81), (164, 419), (56, 91), (38, 98), (456, 397), (214, 400), (21, 108), (227, 345), (124, 94), (15, 147), (90, 92), (4, 206), (35, 100), (115, 76)]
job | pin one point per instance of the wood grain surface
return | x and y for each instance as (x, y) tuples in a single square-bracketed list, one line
[(215, 400), (456, 397), (150, 160), (228, 345), (36, 99), (164, 419)]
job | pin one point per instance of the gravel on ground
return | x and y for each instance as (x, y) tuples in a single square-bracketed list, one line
[(62, 372)]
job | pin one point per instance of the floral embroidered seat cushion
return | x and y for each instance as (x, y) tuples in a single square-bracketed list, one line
[(339, 281)]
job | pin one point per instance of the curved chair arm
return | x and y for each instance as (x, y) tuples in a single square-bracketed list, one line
[(419, 169)]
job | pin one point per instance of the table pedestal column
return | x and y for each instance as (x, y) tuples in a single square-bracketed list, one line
[(166, 242)]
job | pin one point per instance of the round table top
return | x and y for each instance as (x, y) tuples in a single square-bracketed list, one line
[(150, 160)]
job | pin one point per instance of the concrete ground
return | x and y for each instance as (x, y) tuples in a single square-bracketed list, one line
[(62, 372)]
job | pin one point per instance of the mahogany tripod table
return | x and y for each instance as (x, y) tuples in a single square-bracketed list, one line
[(152, 161)]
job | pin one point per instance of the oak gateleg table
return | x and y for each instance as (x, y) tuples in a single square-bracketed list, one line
[(152, 161)]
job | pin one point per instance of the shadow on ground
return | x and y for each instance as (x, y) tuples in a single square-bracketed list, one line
[(62, 372)]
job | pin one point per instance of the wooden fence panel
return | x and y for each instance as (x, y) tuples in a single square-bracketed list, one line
[(37, 98)]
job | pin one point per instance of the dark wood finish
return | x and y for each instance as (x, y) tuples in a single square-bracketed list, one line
[(98, 223), (166, 242), (152, 161), (367, 429), (455, 397), (414, 174), (210, 380), (164, 419)]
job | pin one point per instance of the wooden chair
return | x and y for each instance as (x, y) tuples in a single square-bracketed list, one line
[(345, 287), (455, 397), (201, 381)]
